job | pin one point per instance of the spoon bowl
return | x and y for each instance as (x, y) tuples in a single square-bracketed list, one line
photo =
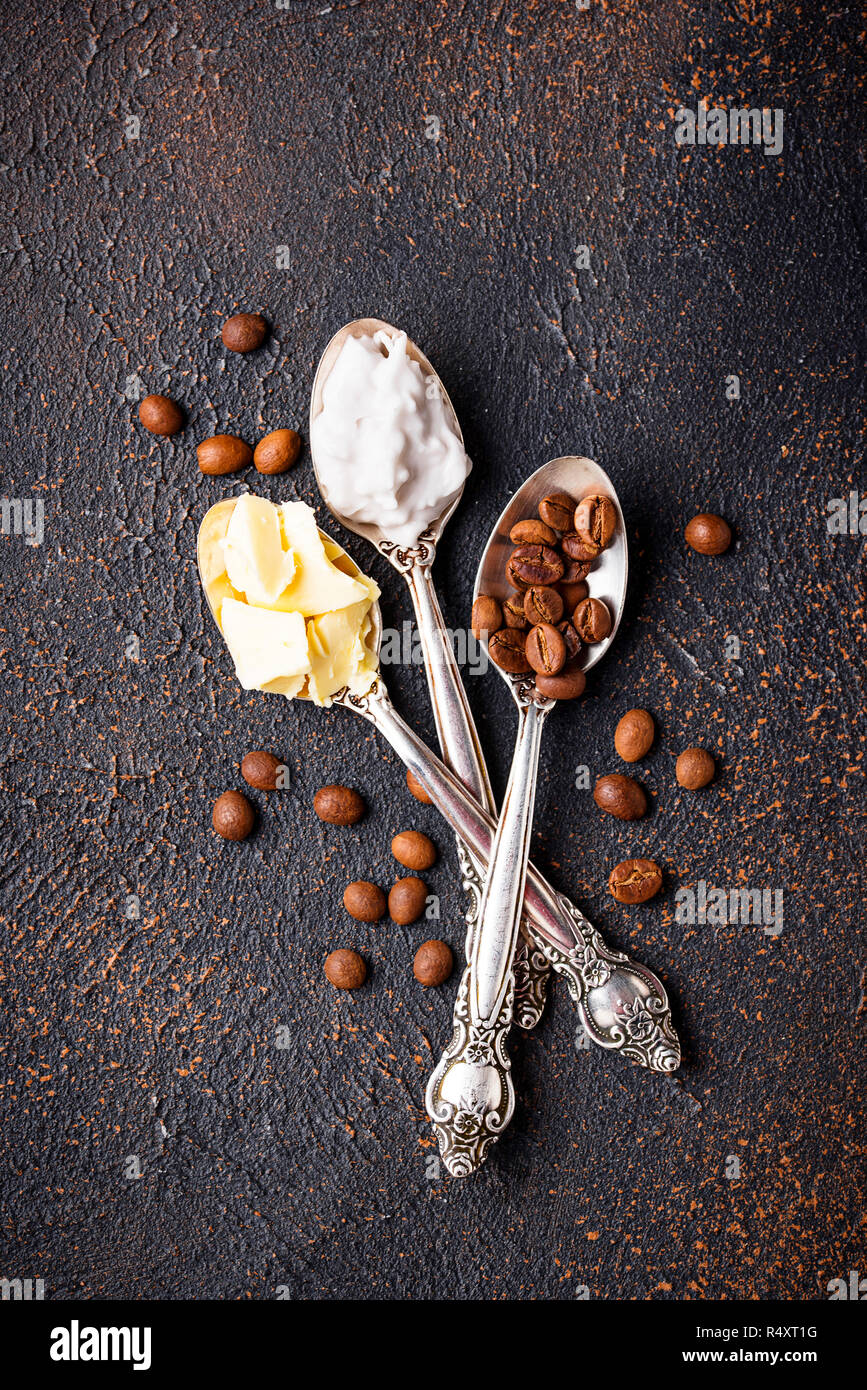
[(579, 477)]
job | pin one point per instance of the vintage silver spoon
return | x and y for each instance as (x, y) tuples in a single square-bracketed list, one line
[(456, 730), (623, 1006), (470, 1095)]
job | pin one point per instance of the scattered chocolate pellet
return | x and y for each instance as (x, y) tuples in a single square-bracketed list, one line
[(338, 805), (260, 769), (620, 796), (417, 789), (634, 735), (407, 900), (233, 817), (161, 415), (244, 332), (414, 850), (708, 534), (277, 451), (694, 768), (364, 900), (345, 969), (223, 453), (433, 963)]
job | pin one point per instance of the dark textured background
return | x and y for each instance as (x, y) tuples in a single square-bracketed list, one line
[(307, 1167)]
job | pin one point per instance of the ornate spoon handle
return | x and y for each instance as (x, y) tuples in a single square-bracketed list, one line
[(462, 752), (470, 1096), (622, 1006)]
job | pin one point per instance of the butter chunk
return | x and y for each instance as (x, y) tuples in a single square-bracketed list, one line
[(317, 586), (338, 655), (256, 562), (265, 644)]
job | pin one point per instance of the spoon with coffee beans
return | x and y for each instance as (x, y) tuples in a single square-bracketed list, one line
[(549, 596)]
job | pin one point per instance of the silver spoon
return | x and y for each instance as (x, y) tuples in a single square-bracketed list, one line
[(456, 730), (622, 1005), (470, 1095)]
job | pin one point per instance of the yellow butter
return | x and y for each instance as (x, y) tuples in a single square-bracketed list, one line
[(256, 563), (265, 644)]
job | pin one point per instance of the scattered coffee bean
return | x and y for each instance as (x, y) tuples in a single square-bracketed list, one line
[(338, 805), (259, 769), (364, 901), (513, 612), (543, 605), (620, 796), (579, 552), (592, 620), (223, 453), (595, 520), (532, 533), (161, 415), (433, 963), (568, 684), (573, 594), (507, 649), (534, 564), (567, 631), (414, 850), (708, 534), (634, 735), (345, 969), (417, 789), (694, 768), (635, 881), (277, 451), (558, 509), (233, 817), (546, 649), (487, 617), (244, 332), (407, 900)]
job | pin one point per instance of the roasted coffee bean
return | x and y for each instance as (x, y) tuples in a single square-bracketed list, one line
[(338, 805), (414, 850), (546, 649), (260, 770), (592, 620), (577, 549), (568, 684), (574, 572), (244, 332), (620, 796), (572, 593), (694, 768), (233, 817), (507, 649), (635, 880), (161, 415), (567, 631), (364, 901), (634, 735), (223, 453), (487, 617), (407, 899), (543, 605), (534, 564), (277, 451), (417, 789), (532, 533), (513, 612), (345, 969), (557, 510), (708, 534), (595, 520), (433, 963)]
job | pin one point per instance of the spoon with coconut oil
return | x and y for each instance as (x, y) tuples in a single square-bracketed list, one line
[(623, 1006), (389, 459)]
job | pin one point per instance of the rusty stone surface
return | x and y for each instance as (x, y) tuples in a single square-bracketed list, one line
[(283, 165)]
